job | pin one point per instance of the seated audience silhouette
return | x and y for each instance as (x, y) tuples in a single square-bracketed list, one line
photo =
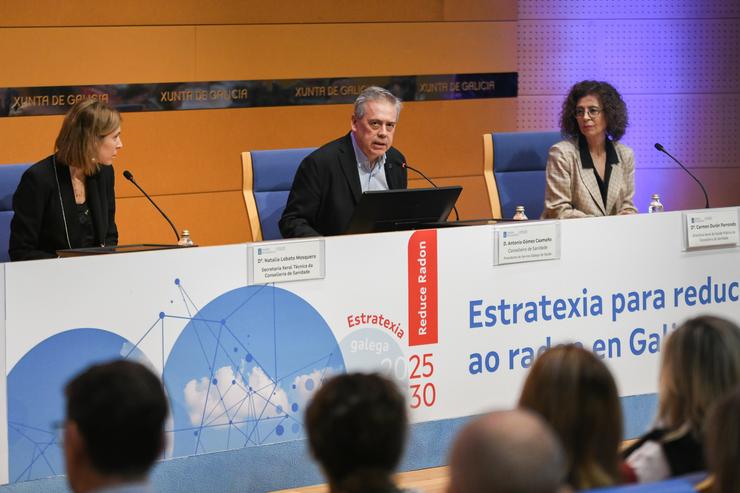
[(356, 426), (701, 363), (575, 393), (507, 452), (114, 428), (723, 443)]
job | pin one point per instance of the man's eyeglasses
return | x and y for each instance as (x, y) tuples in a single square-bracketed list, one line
[(593, 112)]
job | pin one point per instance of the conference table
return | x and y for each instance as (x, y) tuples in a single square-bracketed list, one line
[(244, 334)]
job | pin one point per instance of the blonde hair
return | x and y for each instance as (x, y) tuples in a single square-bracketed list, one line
[(575, 393), (84, 125), (701, 363)]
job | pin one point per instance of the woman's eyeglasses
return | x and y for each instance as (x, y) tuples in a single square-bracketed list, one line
[(593, 112)]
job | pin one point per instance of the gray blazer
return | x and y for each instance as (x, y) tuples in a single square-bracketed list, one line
[(572, 191)]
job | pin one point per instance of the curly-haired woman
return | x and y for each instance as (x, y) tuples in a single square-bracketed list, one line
[(591, 173)]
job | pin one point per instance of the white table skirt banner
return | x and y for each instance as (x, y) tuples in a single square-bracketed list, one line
[(429, 308)]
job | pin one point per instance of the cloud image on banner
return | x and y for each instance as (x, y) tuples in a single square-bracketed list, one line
[(244, 367)]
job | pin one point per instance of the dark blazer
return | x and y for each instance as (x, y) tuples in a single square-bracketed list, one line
[(37, 229), (326, 189), (683, 452)]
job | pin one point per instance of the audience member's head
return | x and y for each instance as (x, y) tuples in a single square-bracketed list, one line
[(114, 428), (701, 363), (723, 443), (575, 393), (507, 452), (356, 426)]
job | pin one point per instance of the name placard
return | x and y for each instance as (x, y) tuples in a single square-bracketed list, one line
[(528, 242), (285, 261), (711, 229)]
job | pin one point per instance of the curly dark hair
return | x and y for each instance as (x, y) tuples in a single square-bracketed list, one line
[(615, 111)]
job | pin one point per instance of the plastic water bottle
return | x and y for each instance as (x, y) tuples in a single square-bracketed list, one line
[(655, 205), (185, 238), (519, 214)]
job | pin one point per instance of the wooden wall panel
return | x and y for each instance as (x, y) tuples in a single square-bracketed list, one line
[(75, 55), (168, 12), (338, 50), (219, 215), (22, 13), (444, 138), (27, 139)]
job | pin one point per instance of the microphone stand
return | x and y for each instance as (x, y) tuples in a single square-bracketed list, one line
[(127, 174), (706, 197)]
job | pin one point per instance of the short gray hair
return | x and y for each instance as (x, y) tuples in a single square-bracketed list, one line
[(375, 93)]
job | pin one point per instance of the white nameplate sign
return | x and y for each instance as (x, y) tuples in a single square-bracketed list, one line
[(711, 228), (285, 261), (528, 242)]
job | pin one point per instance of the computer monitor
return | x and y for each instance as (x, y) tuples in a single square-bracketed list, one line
[(396, 210)]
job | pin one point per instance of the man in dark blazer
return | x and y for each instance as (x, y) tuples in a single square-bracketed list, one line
[(330, 181)]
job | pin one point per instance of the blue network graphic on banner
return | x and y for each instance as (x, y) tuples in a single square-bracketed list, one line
[(239, 374), (36, 396)]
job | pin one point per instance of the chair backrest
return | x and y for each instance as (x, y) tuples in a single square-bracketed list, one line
[(10, 176), (514, 169), (267, 179)]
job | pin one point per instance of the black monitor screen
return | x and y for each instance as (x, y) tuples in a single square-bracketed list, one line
[(395, 210)]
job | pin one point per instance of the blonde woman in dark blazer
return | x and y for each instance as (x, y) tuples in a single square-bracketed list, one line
[(591, 173), (67, 200)]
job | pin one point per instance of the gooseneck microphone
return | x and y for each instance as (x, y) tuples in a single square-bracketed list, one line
[(706, 197), (404, 165), (127, 174)]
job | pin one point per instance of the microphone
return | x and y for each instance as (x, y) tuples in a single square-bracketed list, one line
[(706, 197), (404, 165), (127, 174)]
